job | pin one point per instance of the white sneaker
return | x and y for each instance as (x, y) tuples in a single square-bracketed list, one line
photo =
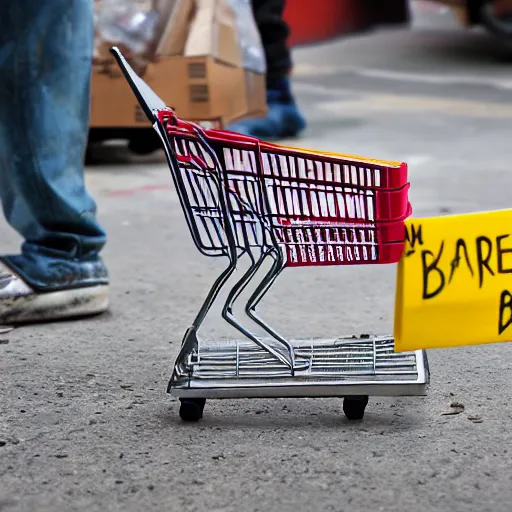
[(19, 303)]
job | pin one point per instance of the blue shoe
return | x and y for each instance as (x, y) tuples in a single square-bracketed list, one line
[(283, 118)]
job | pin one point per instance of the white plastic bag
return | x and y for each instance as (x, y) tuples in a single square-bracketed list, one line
[(129, 23), (253, 56), (137, 27)]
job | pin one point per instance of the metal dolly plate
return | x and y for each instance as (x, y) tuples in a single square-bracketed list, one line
[(327, 368)]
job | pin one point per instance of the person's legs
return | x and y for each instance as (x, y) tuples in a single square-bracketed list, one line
[(283, 118), (45, 68), (274, 32)]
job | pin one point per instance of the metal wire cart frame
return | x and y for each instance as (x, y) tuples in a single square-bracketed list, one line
[(243, 198)]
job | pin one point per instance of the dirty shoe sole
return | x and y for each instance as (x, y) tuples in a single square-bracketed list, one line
[(35, 307)]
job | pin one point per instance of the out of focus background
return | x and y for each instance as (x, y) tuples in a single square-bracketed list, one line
[(88, 426), (198, 62)]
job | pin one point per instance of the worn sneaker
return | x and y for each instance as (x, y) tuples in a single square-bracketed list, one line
[(19, 303), (283, 117)]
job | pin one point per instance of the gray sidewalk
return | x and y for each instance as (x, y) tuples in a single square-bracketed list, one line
[(85, 423)]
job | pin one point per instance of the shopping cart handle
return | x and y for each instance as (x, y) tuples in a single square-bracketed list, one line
[(149, 101)]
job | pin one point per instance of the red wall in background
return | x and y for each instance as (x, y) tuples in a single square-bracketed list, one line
[(317, 20)]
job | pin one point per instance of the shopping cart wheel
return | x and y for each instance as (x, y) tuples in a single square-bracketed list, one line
[(191, 409), (354, 406)]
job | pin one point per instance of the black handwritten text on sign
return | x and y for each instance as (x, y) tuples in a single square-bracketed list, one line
[(464, 266)]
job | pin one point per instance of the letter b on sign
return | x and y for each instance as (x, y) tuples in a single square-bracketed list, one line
[(505, 311)]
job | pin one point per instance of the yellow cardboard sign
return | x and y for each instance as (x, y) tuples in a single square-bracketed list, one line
[(454, 282)]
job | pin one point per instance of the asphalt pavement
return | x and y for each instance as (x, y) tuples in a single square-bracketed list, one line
[(85, 423)]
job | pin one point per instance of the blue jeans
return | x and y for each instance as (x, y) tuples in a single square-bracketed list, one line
[(45, 70)]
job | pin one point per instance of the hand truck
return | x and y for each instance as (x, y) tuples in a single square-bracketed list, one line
[(244, 198)]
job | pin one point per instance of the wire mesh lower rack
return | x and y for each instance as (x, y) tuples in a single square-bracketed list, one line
[(341, 367)]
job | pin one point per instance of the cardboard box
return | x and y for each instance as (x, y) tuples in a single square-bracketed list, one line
[(199, 88), (202, 77)]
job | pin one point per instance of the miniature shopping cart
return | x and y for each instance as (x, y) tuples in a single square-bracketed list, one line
[(276, 208)]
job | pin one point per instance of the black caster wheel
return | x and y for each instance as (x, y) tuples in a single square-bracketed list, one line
[(191, 409), (354, 406)]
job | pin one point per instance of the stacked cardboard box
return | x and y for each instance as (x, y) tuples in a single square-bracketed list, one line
[(193, 63)]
